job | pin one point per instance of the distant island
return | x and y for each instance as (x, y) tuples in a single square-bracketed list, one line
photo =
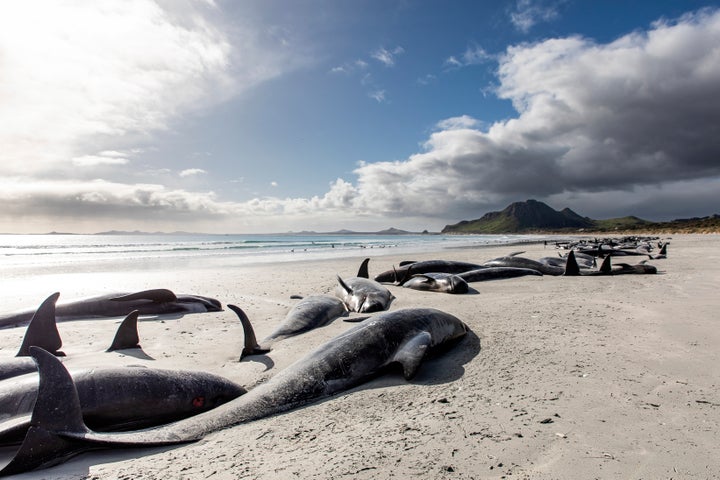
[(533, 216), (528, 217), (388, 231)]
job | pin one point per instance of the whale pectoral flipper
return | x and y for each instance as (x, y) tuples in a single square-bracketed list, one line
[(344, 285), (412, 352), (158, 295), (42, 330), (127, 334)]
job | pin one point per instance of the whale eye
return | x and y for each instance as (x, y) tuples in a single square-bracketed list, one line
[(198, 402)]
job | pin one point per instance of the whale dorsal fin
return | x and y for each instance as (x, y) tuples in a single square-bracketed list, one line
[(363, 270), (251, 345), (606, 266), (127, 334), (159, 295), (571, 266), (42, 330), (412, 352), (407, 262)]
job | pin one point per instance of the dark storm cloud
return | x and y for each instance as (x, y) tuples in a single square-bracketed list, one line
[(641, 111)]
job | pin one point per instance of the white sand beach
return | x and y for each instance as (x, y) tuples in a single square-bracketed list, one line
[(559, 377)]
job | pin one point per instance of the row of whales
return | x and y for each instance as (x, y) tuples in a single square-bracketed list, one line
[(59, 428), (110, 398), (402, 337), (453, 277)]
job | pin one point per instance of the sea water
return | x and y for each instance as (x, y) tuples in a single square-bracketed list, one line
[(22, 255)]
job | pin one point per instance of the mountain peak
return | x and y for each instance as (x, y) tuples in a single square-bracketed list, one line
[(522, 217)]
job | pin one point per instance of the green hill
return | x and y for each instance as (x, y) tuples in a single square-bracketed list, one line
[(536, 217), (520, 217)]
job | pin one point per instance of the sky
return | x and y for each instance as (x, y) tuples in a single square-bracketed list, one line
[(261, 116)]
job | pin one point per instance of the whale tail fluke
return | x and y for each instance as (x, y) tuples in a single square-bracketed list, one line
[(56, 417), (251, 344)]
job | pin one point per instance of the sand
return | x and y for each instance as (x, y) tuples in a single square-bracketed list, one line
[(560, 377)]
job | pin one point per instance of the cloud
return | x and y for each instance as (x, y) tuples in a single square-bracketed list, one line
[(600, 127), (473, 55), (638, 114), (108, 157), (82, 84), (94, 74), (377, 95), (100, 198), (191, 172), (362, 68), (350, 67), (529, 13), (387, 57)]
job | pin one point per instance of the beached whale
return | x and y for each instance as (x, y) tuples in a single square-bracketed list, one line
[(437, 282), (120, 398), (661, 254), (426, 266), (497, 273), (361, 294), (42, 332), (640, 268), (572, 269), (148, 302), (522, 262), (311, 312), (402, 337)]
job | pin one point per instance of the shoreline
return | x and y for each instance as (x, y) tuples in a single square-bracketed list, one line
[(562, 377)]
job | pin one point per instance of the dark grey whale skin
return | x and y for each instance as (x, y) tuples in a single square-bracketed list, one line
[(148, 302), (309, 313), (401, 337), (425, 266), (363, 295), (120, 398)]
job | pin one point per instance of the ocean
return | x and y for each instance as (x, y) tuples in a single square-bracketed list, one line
[(27, 255)]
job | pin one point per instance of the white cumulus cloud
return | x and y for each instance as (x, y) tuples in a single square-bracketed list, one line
[(188, 172)]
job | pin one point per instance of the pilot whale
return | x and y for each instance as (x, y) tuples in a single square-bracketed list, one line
[(42, 332), (159, 301), (401, 337), (311, 312), (120, 398), (361, 294), (425, 266)]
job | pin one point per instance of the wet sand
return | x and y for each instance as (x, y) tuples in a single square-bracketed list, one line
[(560, 377)]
